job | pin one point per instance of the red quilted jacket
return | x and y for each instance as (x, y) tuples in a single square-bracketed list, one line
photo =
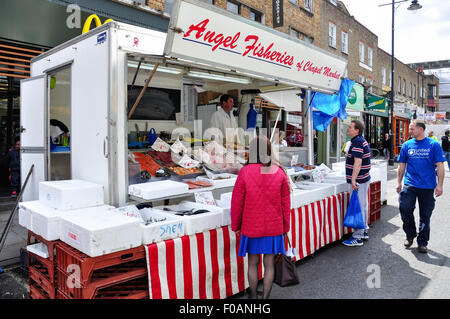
[(261, 201)]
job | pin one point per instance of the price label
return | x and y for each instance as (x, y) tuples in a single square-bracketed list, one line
[(205, 198)]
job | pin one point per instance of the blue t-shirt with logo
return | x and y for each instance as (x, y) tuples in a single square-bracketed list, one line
[(420, 158)]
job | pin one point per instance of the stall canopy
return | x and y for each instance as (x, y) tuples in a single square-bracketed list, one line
[(330, 106), (289, 100), (208, 36)]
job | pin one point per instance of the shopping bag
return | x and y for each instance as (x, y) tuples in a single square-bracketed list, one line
[(285, 271), (354, 218), (152, 136)]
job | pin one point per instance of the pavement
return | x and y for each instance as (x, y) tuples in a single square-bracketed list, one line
[(381, 269)]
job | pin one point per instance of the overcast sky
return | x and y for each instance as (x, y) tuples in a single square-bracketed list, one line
[(420, 36)]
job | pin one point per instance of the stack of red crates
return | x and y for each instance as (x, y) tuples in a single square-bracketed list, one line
[(374, 202), (42, 271), (120, 275)]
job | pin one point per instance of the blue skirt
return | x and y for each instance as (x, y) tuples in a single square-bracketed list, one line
[(261, 245)]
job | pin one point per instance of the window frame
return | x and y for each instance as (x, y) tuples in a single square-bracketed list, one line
[(383, 76), (238, 4), (332, 38), (311, 10), (344, 42), (369, 56), (361, 52), (257, 13)]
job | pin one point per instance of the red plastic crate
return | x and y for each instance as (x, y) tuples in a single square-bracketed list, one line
[(101, 278), (376, 186), (134, 289), (375, 207), (375, 197), (36, 292), (39, 239), (374, 216), (39, 275), (67, 255)]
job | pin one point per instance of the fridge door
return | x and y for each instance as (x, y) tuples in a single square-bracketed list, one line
[(33, 111)]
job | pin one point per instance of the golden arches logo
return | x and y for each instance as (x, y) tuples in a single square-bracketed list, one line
[(98, 22)]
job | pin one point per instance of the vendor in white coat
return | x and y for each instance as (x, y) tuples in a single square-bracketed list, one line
[(223, 119)]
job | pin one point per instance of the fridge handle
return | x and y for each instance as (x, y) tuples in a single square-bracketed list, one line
[(105, 147)]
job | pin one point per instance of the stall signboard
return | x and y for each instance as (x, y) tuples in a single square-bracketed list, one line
[(356, 98), (402, 110), (430, 117), (377, 105), (277, 13), (440, 117), (213, 37)]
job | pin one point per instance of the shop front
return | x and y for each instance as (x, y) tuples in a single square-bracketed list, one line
[(402, 118), (376, 121)]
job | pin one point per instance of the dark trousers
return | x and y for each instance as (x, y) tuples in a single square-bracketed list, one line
[(407, 201)]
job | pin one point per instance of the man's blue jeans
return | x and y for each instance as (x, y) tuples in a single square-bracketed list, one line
[(407, 201)]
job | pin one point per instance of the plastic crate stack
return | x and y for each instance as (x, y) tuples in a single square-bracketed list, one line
[(42, 271), (120, 275), (374, 202)]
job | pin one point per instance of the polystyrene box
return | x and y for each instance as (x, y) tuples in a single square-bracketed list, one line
[(198, 223), (24, 218), (100, 230), (45, 220), (39, 249), (153, 190), (71, 194), (172, 227)]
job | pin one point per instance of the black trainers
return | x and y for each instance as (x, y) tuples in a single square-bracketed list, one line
[(422, 249), (408, 242)]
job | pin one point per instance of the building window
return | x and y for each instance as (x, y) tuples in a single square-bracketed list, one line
[(361, 52), (390, 79), (293, 1), (346, 73), (344, 42), (332, 35), (308, 39), (383, 76), (399, 85), (255, 15), (370, 83), (414, 91), (370, 56), (234, 7), (404, 87), (410, 89), (309, 5), (333, 2), (361, 79), (168, 5), (293, 33), (209, 1)]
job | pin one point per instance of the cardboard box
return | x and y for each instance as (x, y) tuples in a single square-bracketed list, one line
[(205, 97)]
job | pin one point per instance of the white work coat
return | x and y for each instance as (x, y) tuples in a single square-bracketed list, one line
[(222, 120)]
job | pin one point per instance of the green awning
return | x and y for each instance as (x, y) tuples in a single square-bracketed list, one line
[(376, 105)]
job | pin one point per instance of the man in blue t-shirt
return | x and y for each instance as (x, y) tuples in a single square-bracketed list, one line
[(357, 171), (419, 155)]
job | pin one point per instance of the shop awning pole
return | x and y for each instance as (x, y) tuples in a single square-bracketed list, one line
[(310, 128), (276, 122), (143, 90)]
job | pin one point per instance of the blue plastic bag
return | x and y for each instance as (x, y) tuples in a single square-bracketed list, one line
[(354, 218), (152, 136)]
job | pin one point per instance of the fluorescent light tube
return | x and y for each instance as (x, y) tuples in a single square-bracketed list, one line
[(164, 69), (218, 77)]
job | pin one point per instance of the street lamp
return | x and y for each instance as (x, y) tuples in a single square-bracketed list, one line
[(414, 6)]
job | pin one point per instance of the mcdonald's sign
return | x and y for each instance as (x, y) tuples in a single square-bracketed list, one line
[(88, 22)]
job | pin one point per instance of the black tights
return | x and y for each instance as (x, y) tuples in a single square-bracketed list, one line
[(269, 273)]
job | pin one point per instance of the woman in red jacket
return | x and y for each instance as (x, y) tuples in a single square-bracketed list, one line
[(260, 212)]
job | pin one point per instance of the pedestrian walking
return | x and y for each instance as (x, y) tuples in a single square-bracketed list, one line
[(431, 135), (446, 147), (260, 212), (386, 146), (418, 157), (357, 171)]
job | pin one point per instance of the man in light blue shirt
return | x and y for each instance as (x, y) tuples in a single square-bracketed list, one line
[(419, 156)]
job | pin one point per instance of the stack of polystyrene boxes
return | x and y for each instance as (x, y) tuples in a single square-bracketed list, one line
[(74, 212)]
